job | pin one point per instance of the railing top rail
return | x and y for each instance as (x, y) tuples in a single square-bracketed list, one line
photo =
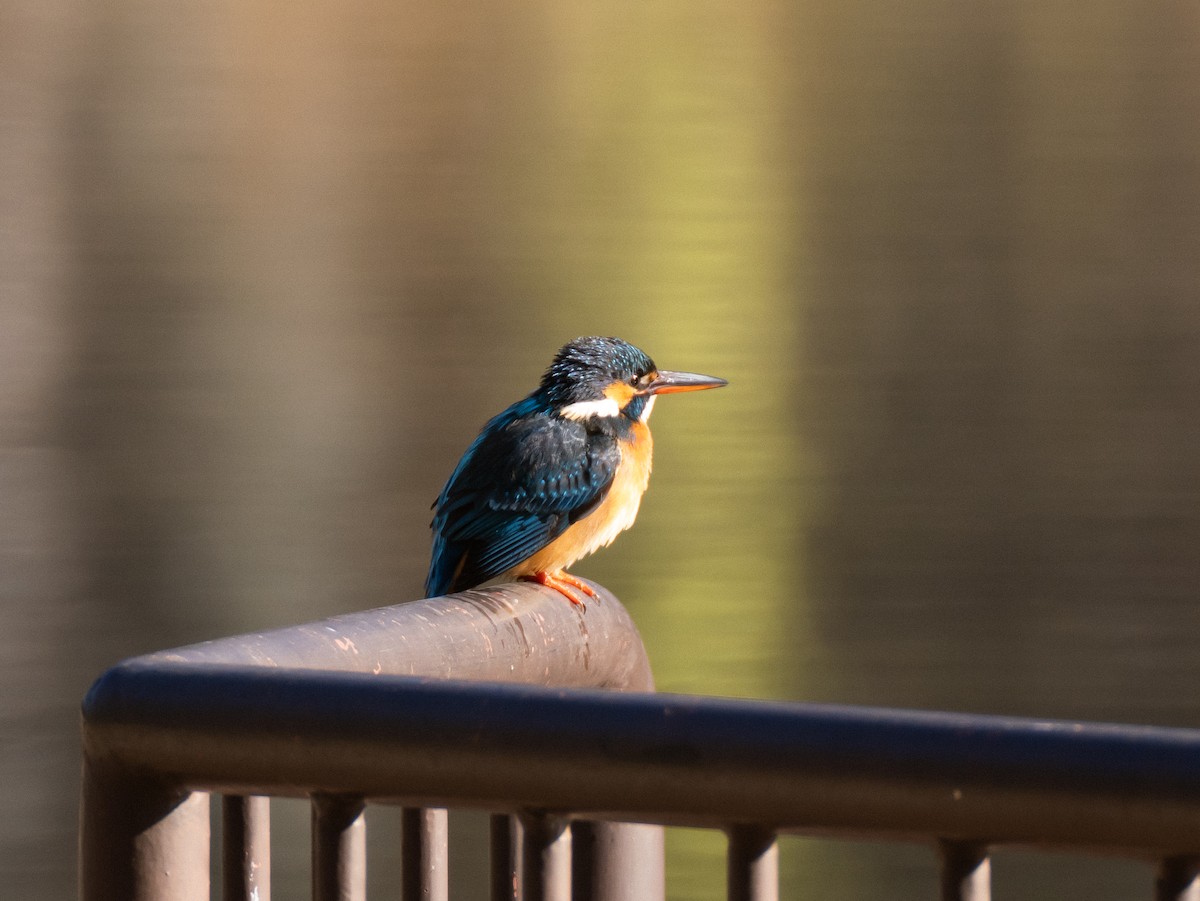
[(655, 758), (517, 632), (157, 728)]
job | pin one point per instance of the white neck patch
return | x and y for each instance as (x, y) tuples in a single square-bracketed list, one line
[(587, 409), (645, 417)]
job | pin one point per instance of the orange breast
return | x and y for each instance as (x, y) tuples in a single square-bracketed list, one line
[(614, 515)]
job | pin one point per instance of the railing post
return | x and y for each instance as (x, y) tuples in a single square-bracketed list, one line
[(141, 839), (245, 848), (753, 866), (617, 861), (1178, 879), (424, 854), (546, 857), (966, 871), (505, 859), (339, 849)]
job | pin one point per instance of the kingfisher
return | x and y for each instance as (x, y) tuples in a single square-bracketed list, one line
[(557, 475)]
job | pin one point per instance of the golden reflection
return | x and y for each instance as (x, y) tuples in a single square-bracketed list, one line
[(267, 269)]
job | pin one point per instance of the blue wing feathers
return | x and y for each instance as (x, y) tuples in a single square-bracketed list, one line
[(519, 486)]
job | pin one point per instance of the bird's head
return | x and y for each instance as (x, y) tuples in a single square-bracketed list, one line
[(607, 378)]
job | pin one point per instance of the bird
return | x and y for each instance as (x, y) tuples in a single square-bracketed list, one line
[(555, 476)]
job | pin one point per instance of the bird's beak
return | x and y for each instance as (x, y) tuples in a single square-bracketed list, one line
[(667, 382)]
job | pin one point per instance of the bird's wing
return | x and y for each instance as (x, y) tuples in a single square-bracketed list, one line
[(519, 486)]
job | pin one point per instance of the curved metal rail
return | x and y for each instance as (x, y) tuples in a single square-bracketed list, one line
[(322, 710), (144, 822)]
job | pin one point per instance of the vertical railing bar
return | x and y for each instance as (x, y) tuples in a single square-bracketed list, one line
[(583, 860), (141, 838), (752, 872), (622, 861), (339, 849), (545, 857), (503, 859), (246, 848), (1178, 879), (966, 871), (425, 854)]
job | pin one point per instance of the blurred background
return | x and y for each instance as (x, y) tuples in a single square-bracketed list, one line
[(267, 268)]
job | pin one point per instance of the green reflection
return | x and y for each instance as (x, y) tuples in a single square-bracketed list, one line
[(664, 215)]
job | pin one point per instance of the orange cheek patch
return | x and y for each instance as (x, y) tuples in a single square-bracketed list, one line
[(621, 393)]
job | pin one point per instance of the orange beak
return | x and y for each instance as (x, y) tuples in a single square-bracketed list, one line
[(667, 382)]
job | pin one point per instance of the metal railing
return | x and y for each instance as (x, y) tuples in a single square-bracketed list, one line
[(345, 712)]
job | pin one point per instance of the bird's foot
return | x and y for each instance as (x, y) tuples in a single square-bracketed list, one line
[(562, 582)]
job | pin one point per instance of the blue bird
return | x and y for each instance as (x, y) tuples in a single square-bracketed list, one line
[(557, 475)]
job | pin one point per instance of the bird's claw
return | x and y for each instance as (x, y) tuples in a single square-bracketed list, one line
[(563, 582)]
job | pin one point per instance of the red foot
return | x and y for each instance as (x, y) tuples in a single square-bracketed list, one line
[(562, 582)]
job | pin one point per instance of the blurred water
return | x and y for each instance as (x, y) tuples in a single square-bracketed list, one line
[(265, 272)]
